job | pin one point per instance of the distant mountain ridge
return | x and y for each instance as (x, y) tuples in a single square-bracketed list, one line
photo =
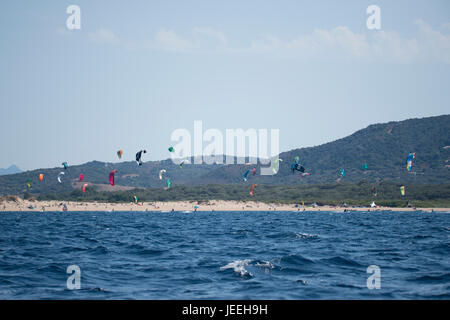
[(384, 147), (10, 170)]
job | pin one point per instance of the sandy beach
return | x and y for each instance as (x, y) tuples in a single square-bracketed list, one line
[(212, 205)]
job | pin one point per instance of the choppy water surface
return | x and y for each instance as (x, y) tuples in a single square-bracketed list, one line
[(225, 255)]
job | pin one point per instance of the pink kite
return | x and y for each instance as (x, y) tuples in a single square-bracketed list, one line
[(304, 174), (111, 177)]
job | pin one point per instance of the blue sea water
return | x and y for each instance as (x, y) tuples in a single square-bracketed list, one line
[(225, 255)]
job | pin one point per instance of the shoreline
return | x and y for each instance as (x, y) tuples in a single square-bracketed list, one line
[(21, 205)]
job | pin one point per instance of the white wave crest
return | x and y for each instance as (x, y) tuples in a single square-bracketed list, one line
[(238, 266)]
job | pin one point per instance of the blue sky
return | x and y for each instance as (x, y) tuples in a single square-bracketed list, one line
[(138, 70)]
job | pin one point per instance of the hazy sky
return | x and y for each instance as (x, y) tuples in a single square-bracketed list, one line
[(138, 70)]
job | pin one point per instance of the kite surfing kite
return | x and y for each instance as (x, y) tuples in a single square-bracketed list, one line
[(161, 173), (111, 176), (365, 166), (410, 161), (254, 171), (65, 165), (139, 157), (252, 188), (81, 177), (304, 174), (84, 187), (169, 183), (171, 149), (246, 174), (60, 175), (274, 165), (41, 177), (296, 165), (135, 199), (374, 191), (29, 183), (343, 172), (181, 164), (402, 190), (119, 154)]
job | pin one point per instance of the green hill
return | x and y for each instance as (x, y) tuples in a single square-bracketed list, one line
[(384, 147)]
